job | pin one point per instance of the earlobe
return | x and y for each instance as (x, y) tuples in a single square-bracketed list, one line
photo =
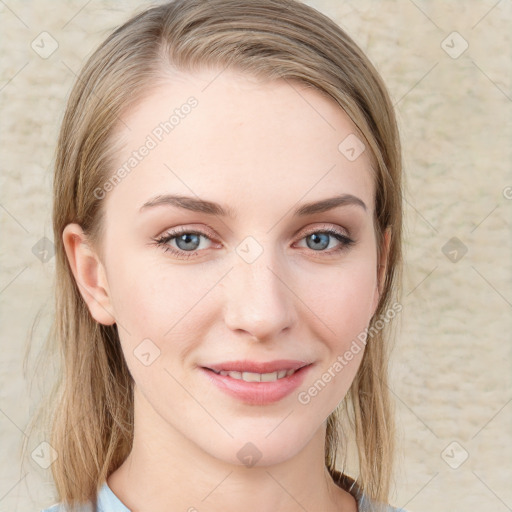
[(89, 274)]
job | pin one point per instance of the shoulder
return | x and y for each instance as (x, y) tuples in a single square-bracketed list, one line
[(394, 509), (59, 507), (365, 504), (107, 501)]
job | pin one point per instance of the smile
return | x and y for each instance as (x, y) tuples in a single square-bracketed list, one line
[(256, 388), (257, 377)]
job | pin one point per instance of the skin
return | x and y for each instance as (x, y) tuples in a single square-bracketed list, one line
[(261, 149)]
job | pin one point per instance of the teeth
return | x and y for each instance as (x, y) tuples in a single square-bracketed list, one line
[(258, 377)]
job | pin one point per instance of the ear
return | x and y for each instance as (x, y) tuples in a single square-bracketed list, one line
[(382, 266), (89, 274)]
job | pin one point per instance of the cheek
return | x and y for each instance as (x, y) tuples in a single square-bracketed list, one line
[(152, 313), (160, 300), (343, 302), (147, 291), (343, 297)]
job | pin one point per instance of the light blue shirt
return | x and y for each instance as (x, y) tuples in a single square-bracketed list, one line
[(109, 502)]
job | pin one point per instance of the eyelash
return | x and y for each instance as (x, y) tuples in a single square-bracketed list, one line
[(163, 241)]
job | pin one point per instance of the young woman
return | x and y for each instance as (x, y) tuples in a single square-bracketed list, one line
[(227, 219)]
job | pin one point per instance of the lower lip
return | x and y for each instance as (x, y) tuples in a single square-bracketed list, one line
[(258, 393)]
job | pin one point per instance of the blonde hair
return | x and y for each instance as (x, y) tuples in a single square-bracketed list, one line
[(90, 409)]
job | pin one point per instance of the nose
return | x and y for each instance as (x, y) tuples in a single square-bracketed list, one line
[(259, 300)]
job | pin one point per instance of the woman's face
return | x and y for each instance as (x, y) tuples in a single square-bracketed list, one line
[(260, 283)]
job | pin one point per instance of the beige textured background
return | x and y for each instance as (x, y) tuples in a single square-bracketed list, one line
[(452, 371)]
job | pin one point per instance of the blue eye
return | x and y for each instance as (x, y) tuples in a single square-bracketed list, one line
[(188, 242), (320, 240)]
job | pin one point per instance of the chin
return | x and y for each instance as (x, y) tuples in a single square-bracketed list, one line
[(258, 449)]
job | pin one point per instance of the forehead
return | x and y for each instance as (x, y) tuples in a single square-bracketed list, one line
[(225, 136)]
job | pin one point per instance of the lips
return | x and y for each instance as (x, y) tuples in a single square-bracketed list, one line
[(257, 377), (256, 367), (257, 383)]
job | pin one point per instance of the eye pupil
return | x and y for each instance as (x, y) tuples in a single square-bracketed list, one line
[(186, 237), (317, 237)]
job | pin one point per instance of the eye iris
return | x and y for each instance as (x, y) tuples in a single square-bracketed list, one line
[(186, 237), (317, 237)]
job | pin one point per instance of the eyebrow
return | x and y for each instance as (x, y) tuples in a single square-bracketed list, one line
[(210, 208)]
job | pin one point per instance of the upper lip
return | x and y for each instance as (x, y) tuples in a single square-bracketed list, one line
[(256, 367)]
